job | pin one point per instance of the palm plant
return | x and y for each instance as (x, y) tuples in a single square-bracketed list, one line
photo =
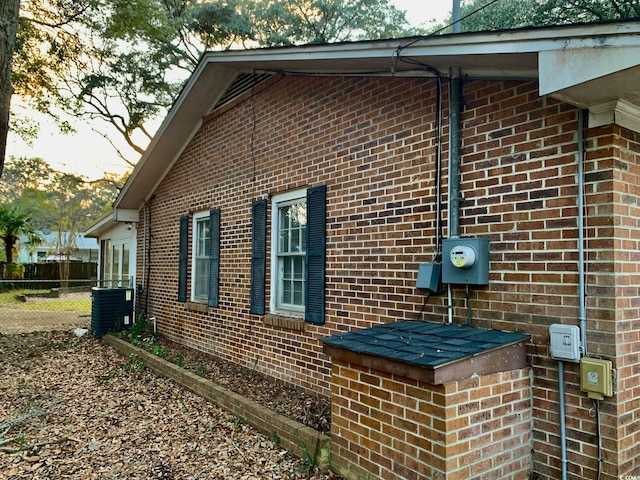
[(15, 223)]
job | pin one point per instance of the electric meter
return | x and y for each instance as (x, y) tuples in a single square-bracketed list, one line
[(463, 256), (465, 261)]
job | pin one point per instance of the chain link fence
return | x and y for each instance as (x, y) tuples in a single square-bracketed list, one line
[(47, 304)]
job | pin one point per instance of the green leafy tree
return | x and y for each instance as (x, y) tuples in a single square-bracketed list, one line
[(15, 223), (278, 22), (481, 15), (123, 62), (47, 200)]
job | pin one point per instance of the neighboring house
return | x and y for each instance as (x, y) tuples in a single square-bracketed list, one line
[(290, 197), (116, 233), (86, 249)]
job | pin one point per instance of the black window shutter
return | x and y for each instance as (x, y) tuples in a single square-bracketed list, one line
[(183, 258), (316, 254), (214, 257), (258, 255)]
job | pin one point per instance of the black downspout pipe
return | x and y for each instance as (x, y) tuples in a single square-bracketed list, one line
[(455, 107), (148, 272)]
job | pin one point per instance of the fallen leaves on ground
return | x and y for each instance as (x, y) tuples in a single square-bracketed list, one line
[(73, 408), (283, 398)]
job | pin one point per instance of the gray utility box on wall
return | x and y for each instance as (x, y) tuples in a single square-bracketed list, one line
[(465, 261)]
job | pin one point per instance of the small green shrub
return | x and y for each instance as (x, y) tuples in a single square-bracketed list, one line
[(158, 350), (237, 421), (134, 365)]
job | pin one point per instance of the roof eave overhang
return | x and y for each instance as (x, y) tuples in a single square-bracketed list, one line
[(535, 54), (106, 223)]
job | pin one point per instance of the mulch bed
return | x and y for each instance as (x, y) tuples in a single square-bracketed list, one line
[(280, 397), (72, 407)]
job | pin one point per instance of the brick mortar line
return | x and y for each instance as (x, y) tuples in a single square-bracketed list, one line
[(297, 437)]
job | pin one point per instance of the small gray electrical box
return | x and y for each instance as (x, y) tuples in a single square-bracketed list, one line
[(465, 261), (428, 280), (564, 342)]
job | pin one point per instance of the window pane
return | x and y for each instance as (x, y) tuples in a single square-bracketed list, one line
[(201, 264), (298, 268), (291, 235), (201, 278), (286, 292), (125, 265), (284, 241), (115, 272), (202, 237)]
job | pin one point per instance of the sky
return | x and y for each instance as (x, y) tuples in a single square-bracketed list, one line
[(87, 153)]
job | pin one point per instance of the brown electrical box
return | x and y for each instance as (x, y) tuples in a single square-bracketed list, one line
[(596, 377)]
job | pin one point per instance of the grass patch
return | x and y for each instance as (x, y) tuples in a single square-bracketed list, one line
[(78, 306), (10, 299), (11, 296)]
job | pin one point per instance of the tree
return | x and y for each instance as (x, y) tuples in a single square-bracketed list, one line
[(57, 201), (9, 10), (123, 62), (481, 15), (15, 223), (293, 22)]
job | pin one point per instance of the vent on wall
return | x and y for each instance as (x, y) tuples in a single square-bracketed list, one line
[(241, 84)]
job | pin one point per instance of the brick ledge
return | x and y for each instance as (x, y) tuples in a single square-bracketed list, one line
[(294, 436), (284, 322), (196, 307)]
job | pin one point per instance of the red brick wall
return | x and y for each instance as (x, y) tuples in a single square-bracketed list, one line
[(625, 420), (371, 142), (398, 428)]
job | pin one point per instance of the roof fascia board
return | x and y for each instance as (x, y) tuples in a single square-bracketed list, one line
[(95, 230), (196, 99), (125, 215), (535, 40)]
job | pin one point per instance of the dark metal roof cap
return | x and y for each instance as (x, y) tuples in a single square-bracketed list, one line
[(423, 343)]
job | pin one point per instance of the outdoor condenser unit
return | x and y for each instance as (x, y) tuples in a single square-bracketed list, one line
[(111, 310)]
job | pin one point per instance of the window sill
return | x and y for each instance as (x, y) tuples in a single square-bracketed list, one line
[(290, 323), (196, 307)]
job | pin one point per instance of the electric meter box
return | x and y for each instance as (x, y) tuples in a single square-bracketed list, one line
[(465, 261)]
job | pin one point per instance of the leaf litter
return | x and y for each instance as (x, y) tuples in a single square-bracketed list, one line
[(72, 408)]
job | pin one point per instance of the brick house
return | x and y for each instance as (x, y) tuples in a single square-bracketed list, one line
[(292, 195)]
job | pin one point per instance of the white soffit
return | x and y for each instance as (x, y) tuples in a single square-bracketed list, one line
[(605, 80), (562, 69)]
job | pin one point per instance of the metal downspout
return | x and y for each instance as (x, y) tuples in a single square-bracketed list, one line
[(455, 107), (581, 262)]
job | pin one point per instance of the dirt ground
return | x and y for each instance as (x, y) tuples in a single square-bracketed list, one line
[(71, 407), (25, 321)]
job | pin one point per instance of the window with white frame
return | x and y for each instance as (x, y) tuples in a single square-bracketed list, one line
[(201, 249), (114, 263), (289, 238)]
